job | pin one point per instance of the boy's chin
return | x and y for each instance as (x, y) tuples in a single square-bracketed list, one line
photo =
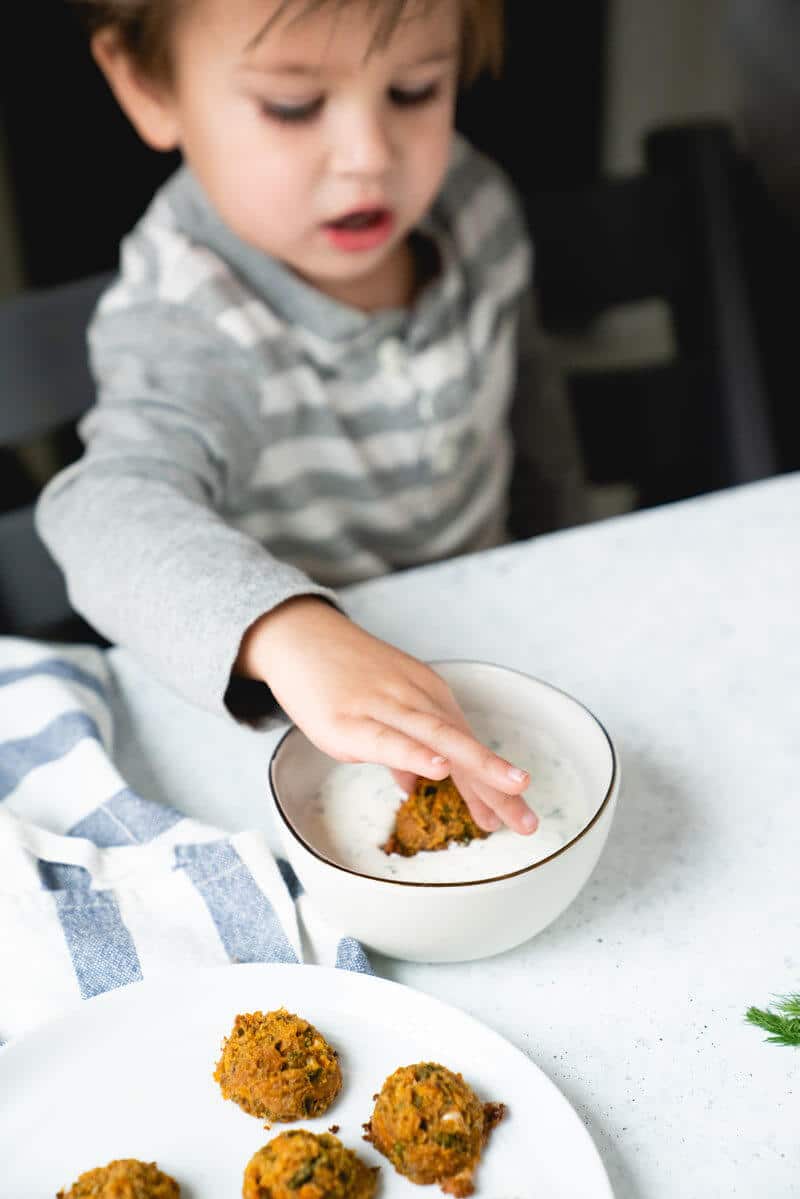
[(339, 267)]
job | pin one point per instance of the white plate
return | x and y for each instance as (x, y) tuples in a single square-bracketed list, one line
[(129, 1074)]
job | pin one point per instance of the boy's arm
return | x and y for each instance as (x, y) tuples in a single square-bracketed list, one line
[(136, 524), (548, 489)]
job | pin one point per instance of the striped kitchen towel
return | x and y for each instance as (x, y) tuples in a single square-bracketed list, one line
[(100, 887)]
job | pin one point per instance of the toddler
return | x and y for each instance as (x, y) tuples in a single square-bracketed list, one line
[(309, 367)]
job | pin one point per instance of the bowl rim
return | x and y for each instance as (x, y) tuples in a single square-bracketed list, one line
[(475, 882)]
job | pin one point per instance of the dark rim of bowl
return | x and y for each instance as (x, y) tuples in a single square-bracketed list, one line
[(475, 882)]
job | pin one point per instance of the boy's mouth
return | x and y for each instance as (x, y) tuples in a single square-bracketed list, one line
[(361, 218), (360, 229)]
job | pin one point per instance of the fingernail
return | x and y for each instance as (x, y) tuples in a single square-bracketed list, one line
[(529, 821), (516, 774), (492, 824), (438, 760)]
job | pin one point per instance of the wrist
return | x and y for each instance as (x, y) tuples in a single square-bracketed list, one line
[(275, 626)]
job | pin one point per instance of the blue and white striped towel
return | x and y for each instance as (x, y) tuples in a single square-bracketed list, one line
[(100, 887)]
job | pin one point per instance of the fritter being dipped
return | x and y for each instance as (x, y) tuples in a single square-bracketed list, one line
[(302, 1165), (126, 1178), (430, 1125), (277, 1066), (432, 816)]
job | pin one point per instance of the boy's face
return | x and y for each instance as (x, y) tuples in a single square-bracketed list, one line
[(294, 133)]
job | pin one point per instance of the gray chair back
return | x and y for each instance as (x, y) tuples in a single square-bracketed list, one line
[(45, 386)]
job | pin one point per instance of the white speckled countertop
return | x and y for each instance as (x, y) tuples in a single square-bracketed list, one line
[(679, 628)]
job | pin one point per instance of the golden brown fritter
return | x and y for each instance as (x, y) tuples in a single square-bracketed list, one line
[(301, 1165), (433, 815), (276, 1066), (431, 1126), (126, 1178)]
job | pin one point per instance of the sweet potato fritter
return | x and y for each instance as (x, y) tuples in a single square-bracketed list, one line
[(126, 1178), (431, 1126), (277, 1066), (302, 1165), (433, 815)]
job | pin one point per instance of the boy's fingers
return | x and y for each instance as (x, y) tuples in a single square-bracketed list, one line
[(483, 816), (368, 740), (460, 747), (511, 810)]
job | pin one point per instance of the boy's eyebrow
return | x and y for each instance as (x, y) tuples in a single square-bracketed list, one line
[(446, 54)]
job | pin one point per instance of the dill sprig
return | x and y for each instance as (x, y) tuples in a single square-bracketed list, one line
[(783, 1023)]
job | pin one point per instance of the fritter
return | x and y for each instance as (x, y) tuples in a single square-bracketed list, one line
[(431, 1126), (302, 1165), (277, 1066), (126, 1178), (433, 815)]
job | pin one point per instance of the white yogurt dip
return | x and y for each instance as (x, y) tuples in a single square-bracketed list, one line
[(353, 814)]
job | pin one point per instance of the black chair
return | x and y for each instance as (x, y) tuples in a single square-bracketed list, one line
[(702, 420), (45, 387)]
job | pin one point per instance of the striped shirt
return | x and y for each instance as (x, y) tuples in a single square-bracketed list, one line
[(254, 439)]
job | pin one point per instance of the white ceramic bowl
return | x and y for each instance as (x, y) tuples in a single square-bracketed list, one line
[(451, 922)]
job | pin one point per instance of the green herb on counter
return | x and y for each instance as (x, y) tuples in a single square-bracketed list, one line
[(783, 1022)]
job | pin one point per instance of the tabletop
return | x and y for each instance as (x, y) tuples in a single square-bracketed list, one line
[(678, 628)]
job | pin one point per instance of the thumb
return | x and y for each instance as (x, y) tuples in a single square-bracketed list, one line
[(404, 779)]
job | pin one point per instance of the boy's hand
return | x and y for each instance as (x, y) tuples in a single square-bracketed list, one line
[(361, 700)]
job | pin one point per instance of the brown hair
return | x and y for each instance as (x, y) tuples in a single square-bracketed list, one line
[(145, 26)]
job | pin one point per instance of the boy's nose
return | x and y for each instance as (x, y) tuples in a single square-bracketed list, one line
[(362, 146)]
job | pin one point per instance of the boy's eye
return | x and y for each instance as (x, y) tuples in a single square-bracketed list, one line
[(407, 97), (292, 112), (399, 96)]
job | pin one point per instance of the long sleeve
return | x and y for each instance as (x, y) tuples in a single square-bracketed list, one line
[(141, 525), (548, 489)]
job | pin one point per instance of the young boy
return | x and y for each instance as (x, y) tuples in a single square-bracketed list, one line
[(306, 368)]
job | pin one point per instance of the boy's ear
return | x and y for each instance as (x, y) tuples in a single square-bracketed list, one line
[(148, 105)]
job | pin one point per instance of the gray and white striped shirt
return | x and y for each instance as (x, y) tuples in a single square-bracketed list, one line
[(254, 439)]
